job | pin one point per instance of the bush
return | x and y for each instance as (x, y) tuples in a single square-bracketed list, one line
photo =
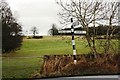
[(29, 37), (58, 65), (37, 37)]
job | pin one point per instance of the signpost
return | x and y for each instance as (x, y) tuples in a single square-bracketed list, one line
[(73, 32), (76, 32), (73, 42)]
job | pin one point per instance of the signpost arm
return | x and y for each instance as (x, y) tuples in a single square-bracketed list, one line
[(73, 42)]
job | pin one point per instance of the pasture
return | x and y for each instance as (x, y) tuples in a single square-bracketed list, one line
[(26, 61)]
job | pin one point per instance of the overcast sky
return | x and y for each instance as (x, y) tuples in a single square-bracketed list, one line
[(39, 13)]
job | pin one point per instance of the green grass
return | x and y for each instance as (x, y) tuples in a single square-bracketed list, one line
[(21, 63), (49, 45), (20, 67)]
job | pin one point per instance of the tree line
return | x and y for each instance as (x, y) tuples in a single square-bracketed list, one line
[(100, 30)]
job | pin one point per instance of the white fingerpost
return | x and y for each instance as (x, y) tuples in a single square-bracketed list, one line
[(73, 33), (73, 42)]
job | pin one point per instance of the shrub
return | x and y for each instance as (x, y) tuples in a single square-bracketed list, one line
[(37, 37), (59, 65)]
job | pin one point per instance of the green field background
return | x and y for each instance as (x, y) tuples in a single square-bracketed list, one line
[(27, 61)]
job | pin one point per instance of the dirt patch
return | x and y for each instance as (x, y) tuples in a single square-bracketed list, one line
[(62, 65)]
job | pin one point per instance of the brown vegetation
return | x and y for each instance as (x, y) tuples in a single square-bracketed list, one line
[(62, 65)]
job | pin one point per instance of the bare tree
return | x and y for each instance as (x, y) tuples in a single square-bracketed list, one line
[(34, 31), (112, 18), (87, 12)]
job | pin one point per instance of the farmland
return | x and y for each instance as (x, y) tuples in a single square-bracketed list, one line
[(26, 61)]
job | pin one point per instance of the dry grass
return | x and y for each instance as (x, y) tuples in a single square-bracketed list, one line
[(63, 65)]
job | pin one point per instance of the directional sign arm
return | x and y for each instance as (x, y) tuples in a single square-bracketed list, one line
[(69, 31)]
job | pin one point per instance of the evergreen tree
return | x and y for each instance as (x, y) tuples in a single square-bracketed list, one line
[(11, 29), (53, 31)]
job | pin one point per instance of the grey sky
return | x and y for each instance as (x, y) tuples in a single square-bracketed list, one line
[(39, 13)]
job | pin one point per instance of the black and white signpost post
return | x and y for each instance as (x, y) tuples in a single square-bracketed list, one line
[(73, 42), (73, 32)]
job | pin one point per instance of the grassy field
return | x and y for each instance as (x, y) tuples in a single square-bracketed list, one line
[(24, 62)]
